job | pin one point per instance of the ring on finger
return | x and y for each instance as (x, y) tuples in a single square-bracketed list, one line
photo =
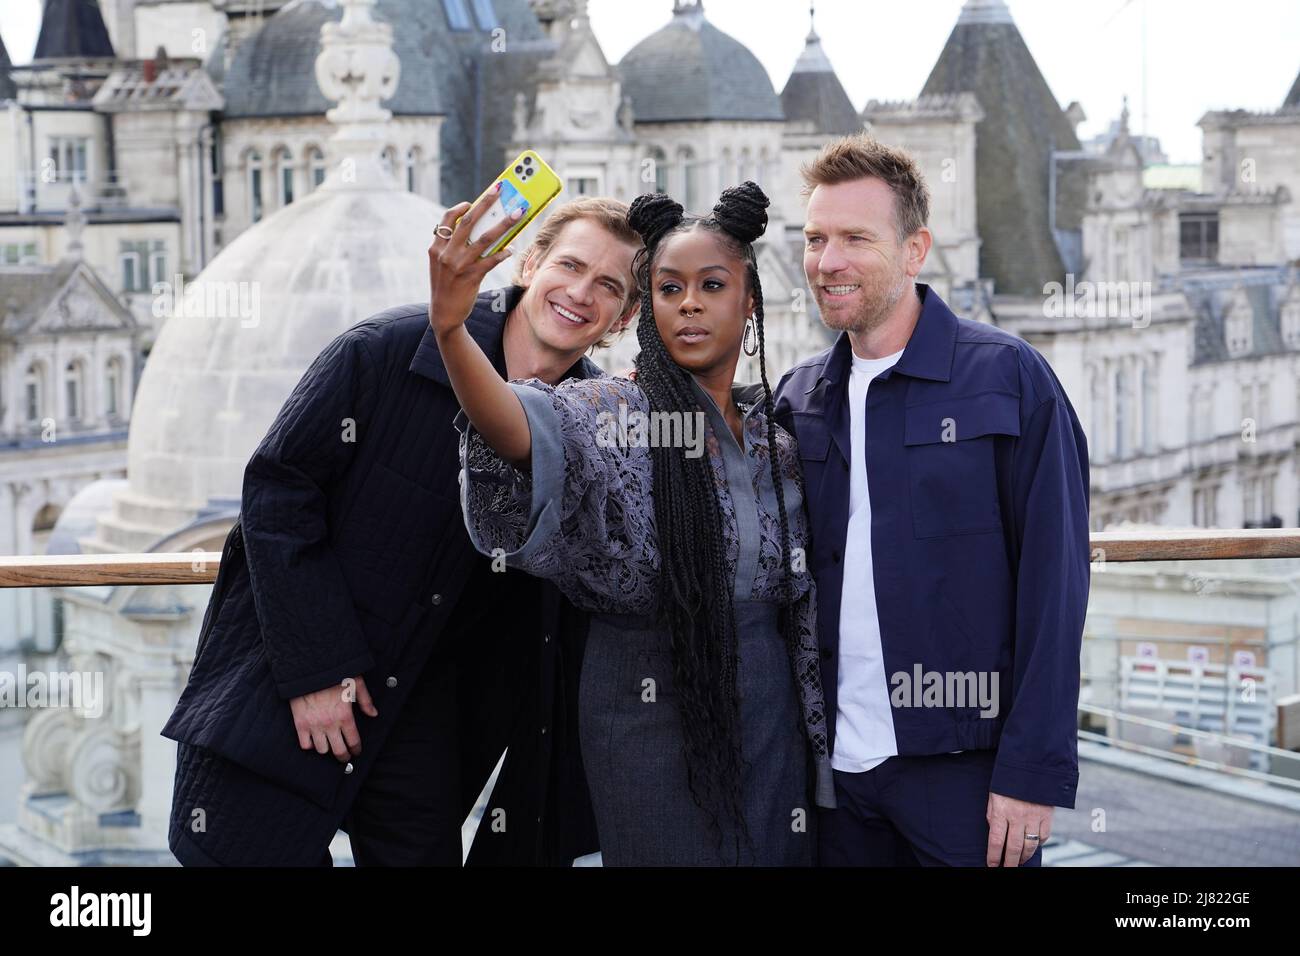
[(443, 231)]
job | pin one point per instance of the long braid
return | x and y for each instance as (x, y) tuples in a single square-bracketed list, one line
[(696, 598), (693, 570), (788, 628)]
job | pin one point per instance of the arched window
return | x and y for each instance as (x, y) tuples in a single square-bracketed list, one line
[(744, 172), (34, 392), (316, 163), (763, 161), (388, 159), (657, 161), (255, 185), (726, 170), (690, 173), (284, 176), (413, 169), (74, 382), (113, 386)]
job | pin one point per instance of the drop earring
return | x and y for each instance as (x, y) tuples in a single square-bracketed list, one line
[(749, 344)]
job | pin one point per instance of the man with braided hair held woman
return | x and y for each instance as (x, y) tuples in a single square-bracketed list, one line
[(700, 707)]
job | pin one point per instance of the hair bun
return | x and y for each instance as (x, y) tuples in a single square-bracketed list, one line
[(742, 211), (652, 215)]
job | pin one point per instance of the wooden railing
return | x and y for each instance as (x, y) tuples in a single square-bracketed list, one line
[(200, 567)]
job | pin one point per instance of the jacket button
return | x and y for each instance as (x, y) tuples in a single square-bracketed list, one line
[(543, 730), (391, 682), (546, 639), (436, 599), (826, 653), (348, 768)]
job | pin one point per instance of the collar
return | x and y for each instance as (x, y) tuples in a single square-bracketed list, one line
[(486, 326), (928, 353)]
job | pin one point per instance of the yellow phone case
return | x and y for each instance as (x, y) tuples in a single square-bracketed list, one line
[(527, 182)]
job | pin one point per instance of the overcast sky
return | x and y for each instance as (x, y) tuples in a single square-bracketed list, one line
[(1200, 54)]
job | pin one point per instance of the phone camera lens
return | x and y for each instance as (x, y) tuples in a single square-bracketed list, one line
[(528, 160), (518, 170)]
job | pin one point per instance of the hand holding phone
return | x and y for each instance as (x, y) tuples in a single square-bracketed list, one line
[(528, 184)]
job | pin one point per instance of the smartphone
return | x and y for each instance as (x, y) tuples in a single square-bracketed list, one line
[(528, 184)]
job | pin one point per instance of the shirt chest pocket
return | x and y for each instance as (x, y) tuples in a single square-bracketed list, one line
[(951, 467)]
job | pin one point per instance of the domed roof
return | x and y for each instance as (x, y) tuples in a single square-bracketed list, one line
[(273, 71), (692, 71), (252, 322)]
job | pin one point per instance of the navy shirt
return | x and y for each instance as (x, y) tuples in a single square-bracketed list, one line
[(978, 474)]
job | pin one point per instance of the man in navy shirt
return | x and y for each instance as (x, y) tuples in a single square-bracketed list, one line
[(947, 484)]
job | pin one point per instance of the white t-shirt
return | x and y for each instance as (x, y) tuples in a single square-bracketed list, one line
[(864, 721)]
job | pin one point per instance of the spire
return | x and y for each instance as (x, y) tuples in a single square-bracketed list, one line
[(73, 29), (357, 68), (813, 59), (985, 11)]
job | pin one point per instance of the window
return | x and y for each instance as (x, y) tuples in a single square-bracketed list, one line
[(412, 169), (1238, 326), (457, 15), (582, 186), (73, 383), (388, 159), (112, 385), (1205, 506), (143, 263), (484, 14), (659, 166), (1198, 236), (1121, 414), (1291, 321), (316, 159), (68, 154), (18, 254), (255, 186), (690, 177), (33, 392), (284, 166)]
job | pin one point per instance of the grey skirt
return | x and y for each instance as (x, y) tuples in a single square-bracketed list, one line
[(631, 737)]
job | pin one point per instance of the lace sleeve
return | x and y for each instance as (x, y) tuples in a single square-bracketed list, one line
[(581, 513)]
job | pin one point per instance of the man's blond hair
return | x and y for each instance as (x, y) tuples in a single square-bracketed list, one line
[(859, 157), (610, 214)]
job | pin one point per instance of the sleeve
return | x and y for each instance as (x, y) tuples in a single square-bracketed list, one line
[(1037, 756), (581, 513), (309, 626)]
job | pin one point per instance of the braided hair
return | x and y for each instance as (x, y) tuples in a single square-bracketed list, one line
[(695, 596)]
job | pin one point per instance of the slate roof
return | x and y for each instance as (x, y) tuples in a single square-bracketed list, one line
[(1023, 123), (690, 71), (445, 72), (1293, 98), (1211, 300), (73, 28), (7, 89), (814, 93)]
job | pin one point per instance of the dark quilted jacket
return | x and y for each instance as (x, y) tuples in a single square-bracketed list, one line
[(350, 557)]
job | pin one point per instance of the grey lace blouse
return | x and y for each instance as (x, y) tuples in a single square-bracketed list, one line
[(582, 515)]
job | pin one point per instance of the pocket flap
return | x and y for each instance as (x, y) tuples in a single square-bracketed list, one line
[(812, 436), (962, 417)]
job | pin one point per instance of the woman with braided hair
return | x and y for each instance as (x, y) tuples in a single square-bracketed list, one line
[(675, 515)]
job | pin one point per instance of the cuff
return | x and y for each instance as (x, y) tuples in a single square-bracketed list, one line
[(1053, 788)]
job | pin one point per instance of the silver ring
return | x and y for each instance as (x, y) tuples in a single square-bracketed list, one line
[(443, 231), (1032, 836)]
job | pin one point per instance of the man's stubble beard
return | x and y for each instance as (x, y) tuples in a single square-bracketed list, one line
[(877, 304)]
